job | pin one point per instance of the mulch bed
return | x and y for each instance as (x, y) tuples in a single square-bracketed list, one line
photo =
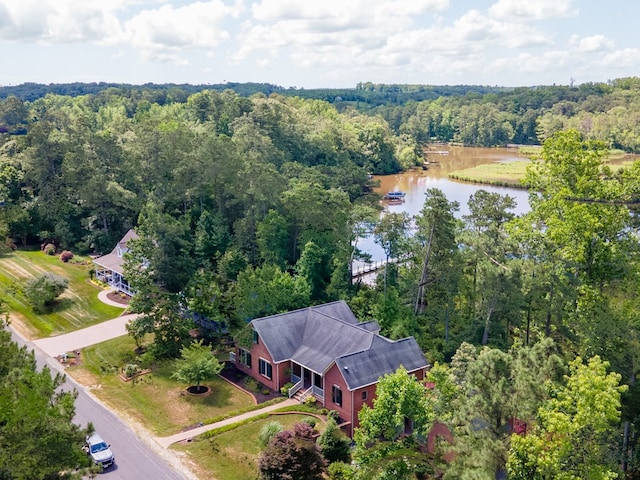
[(116, 297), (235, 376)]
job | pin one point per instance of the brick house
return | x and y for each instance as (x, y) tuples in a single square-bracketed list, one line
[(325, 352)]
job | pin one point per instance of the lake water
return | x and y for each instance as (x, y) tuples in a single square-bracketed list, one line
[(415, 183)]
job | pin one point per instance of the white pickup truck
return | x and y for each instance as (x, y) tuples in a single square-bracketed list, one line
[(99, 451)]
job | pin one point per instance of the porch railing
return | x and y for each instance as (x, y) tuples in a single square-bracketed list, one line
[(293, 390), (318, 392)]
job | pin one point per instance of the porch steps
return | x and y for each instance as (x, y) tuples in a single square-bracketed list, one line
[(301, 395)]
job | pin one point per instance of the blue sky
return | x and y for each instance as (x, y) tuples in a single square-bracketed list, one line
[(318, 43)]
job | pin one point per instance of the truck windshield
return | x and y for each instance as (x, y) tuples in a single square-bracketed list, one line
[(98, 447)]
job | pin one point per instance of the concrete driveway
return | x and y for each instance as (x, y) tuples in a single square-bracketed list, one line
[(54, 346)]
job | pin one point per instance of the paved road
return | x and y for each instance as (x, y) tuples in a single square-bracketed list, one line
[(138, 456)]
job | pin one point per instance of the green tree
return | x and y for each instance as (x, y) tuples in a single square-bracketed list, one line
[(334, 445), (494, 389), (491, 291), (272, 237), (385, 440), (267, 290), (44, 289), (312, 267), (38, 438), (196, 363), (437, 236), (570, 439), (391, 234), (211, 238)]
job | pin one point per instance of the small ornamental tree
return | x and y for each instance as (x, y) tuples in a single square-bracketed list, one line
[(334, 445), (44, 289), (195, 365), (292, 455)]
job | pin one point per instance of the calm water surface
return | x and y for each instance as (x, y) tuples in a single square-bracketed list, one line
[(416, 182)]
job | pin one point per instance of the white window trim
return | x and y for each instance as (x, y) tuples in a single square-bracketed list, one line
[(336, 387), (268, 363)]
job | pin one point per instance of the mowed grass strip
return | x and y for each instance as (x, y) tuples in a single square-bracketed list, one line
[(233, 455), (154, 400), (76, 308)]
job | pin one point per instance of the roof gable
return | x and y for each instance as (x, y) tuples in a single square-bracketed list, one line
[(113, 260), (385, 356)]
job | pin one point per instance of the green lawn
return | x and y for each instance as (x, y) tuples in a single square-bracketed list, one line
[(154, 400), (233, 455), (76, 308)]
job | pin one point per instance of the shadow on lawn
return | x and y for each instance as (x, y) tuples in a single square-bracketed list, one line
[(260, 392)]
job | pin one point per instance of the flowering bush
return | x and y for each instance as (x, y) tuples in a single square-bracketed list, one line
[(66, 255), (49, 249)]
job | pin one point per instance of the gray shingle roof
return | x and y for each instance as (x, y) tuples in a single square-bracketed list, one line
[(112, 261), (315, 337), (385, 356)]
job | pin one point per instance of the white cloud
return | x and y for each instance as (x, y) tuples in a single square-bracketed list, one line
[(625, 58), (164, 33), (532, 9), (592, 43), (58, 21)]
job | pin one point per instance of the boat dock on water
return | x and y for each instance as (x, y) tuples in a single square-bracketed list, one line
[(396, 196)]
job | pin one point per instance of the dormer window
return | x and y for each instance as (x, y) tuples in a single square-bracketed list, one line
[(119, 251)]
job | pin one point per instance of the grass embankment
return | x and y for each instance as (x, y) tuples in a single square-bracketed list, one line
[(501, 174), (512, 173), (233, 455), (76, 308)]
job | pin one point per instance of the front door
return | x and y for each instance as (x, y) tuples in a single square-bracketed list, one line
[(307, 378)]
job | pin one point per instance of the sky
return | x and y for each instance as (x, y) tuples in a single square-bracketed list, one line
[(319, 43)]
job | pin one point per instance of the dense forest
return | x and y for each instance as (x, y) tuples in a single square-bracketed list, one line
[(252, 205)]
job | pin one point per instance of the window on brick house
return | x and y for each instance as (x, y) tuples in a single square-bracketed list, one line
[(265, 368), (245, 357), (336, 395)]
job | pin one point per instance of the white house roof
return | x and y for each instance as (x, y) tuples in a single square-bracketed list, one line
[(113, 261)]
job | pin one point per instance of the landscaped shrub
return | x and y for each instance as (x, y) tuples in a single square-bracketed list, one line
[(341, 471), (310, 400), (268, 431), (251, 384), (334, 445), (131, 370), (284, 390), (49, 249), (310, 421), (66, 255)]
